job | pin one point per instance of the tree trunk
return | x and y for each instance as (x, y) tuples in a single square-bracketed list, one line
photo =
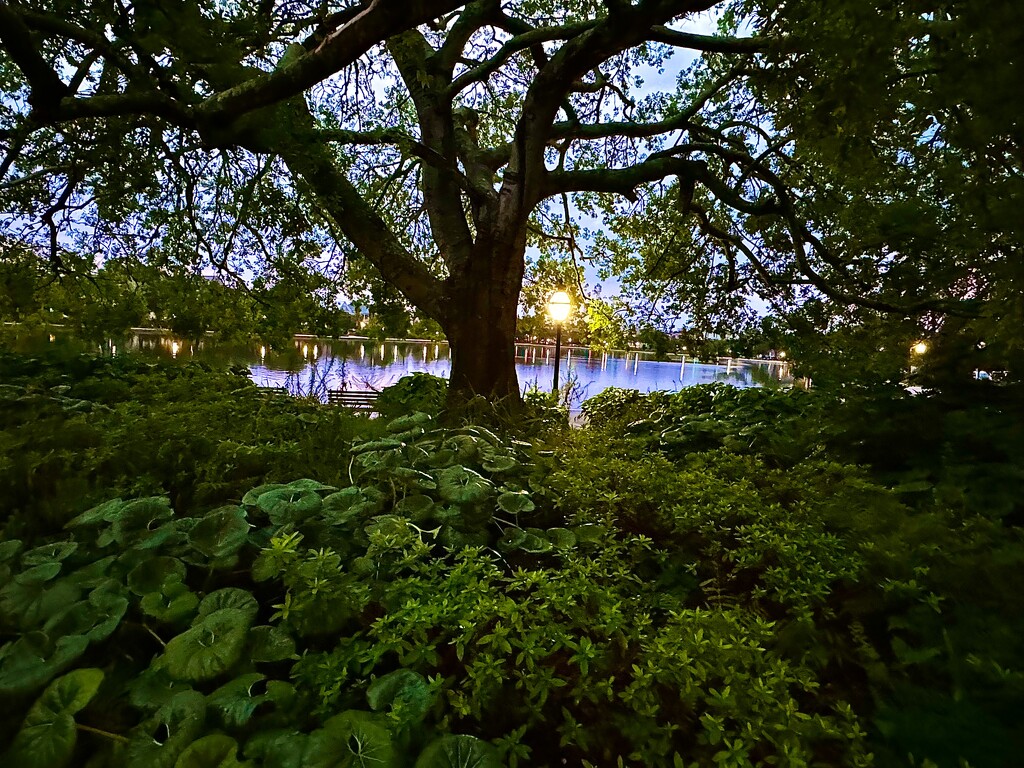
[(481, 317)]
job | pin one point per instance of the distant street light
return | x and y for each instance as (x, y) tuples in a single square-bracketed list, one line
[(920, 348), (558, 307)]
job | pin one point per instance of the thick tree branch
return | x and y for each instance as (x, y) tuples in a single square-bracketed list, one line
[(427, 79), (521, 42), (711, 43), (46, 88), (379, 20), (363, 226)]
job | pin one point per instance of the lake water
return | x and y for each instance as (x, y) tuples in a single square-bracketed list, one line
[(314, 365)]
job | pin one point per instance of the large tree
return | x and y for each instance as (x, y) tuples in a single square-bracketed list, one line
[(434, 139)]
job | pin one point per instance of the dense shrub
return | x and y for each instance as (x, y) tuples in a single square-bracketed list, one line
[(694, 579), (418, 391), (81, 429)]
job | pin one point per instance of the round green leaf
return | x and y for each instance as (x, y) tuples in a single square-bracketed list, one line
[(416, 506), (32, 659), (515, 502), (208, 649), (561, 538), (403, 691), (352, 739), (150, 575), (44, 745), (174, 603), (289, 505), (386, 444), (249, 499), (220, 533), (310, 485), (9, 549), (229, 597), (269, 644), (459, 485), (106, 512), (236, 701), (213, 751), (511, 538), (458, 751), (49, 553), (137, 519), (159, 740), (405, 423), (498, 463)]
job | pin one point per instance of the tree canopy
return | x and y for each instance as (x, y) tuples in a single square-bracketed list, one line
[(865, 152)]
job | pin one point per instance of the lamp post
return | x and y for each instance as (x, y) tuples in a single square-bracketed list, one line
[(558, 307)]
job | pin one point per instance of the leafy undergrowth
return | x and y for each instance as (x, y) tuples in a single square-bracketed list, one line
[(79, 429), (683, 583)]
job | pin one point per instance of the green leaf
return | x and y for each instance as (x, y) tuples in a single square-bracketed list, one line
[(9, 549), (403, 691), (511, 538), (458, 751), (498, 463), (153, 688), (106, 512), (66, 695), (34, 658), (220, 533), (158, 741), (173, 604), (289, 505), (561, 538), (229, 597), (208, 649), (416, 506), (352, 739), (515, 502), (137, 519), (351, 505), (387, 444), (31, 597), (250, 498), (47, 736), (590, 534), (270, 644), (49, 553), (213, 751), (97, 618), (413, 478), (150, 575), (535, 543), (236, 701), (278, 749), (406, 423), (459, 485), (310, 485)]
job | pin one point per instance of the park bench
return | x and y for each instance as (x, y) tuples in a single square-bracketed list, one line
[(354, 399), (272, 391)]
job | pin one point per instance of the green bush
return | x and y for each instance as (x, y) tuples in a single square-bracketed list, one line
[(421, 392), (78, 430)]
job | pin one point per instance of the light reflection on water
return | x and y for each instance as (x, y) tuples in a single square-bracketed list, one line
[(312, 366)]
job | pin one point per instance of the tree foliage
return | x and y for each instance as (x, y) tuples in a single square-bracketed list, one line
[(813, 151)]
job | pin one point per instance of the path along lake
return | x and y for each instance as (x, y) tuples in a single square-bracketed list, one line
[(313, 365)]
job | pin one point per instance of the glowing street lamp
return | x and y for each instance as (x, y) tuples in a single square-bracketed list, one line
[(559, 306), (920, 348)]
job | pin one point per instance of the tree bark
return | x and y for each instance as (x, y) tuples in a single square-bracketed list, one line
[(482, 312)]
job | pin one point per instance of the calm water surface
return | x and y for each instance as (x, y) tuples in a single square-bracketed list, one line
[(313, 365)]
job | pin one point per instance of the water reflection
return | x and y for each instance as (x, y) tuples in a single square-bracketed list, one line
[(312, 366)]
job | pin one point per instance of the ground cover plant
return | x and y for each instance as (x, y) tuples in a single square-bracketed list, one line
[(694, 579), (76, 429)]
